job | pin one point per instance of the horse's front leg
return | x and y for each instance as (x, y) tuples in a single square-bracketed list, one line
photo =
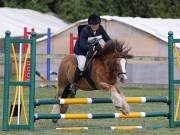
[(125, 105), (118, 99)]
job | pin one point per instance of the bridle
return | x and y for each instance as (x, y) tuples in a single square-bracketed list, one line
[(122, 73)]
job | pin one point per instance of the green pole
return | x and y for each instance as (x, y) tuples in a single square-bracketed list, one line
[(171, 78), (5, 124), (32, 80)]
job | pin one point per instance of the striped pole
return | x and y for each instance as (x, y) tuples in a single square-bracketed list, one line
[(98, 100), (110, 127), (99, 116)]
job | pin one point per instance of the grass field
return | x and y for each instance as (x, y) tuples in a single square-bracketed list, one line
[(47, 127)]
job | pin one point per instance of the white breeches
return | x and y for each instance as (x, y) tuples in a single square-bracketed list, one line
[(81, 61)]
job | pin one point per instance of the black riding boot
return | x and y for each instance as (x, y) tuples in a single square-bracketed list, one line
[(73, 87)]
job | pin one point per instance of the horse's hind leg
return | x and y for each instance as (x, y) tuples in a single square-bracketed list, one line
[(66, 94), (57, 108)]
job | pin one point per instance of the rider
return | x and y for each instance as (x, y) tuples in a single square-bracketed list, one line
[(82, 46)]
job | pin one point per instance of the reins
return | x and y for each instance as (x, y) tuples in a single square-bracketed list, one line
[(90, 60)]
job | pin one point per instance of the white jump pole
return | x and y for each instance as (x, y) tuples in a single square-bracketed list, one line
[(19, 79)]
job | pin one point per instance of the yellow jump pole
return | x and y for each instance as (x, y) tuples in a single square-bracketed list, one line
[(178, 100), (16, 67), (22, 94), (177, 57), (177, 107)]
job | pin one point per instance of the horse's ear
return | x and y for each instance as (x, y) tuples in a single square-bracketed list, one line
[(129, 56), (126, 54)]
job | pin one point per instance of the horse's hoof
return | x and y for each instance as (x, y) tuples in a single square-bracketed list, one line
[(125, 112), (54, 120)]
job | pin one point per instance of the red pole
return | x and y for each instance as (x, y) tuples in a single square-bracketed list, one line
[(72, 38), (71, 44), (27, 64), (25, 36)]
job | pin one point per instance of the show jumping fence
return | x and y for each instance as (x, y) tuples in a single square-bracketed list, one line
[(8, 82), (172, 81), (33, 103)]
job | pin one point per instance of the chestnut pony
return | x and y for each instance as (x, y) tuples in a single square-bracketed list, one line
[(106, 68)]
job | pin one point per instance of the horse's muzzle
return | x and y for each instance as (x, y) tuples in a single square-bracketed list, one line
[(122, 77)]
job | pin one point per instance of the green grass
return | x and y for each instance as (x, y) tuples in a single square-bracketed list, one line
[(47, 127)]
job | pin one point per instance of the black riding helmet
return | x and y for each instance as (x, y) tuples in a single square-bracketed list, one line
[(94, 19)]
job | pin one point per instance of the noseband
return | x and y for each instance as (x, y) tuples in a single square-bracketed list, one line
[(122, 73)]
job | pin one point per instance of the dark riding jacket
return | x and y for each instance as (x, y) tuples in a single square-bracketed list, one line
[(82, 45)]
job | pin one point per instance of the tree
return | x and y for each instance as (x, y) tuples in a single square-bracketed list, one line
[(73, 10), (40, 5)]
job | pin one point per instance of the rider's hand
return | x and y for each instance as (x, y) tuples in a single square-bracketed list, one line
[(98, 47)]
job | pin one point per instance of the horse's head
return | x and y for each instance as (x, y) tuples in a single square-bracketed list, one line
[(118, 51)]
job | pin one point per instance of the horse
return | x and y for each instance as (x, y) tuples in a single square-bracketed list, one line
[(106, 67)]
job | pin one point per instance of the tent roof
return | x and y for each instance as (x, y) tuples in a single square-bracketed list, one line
[(15, 20), (157, 27)]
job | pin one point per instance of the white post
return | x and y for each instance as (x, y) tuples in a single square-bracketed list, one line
[(19, 79)]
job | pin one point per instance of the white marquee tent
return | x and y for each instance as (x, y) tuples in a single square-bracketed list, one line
[(15, 20)]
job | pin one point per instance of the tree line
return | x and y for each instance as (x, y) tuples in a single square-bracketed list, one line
[(73, 10)]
